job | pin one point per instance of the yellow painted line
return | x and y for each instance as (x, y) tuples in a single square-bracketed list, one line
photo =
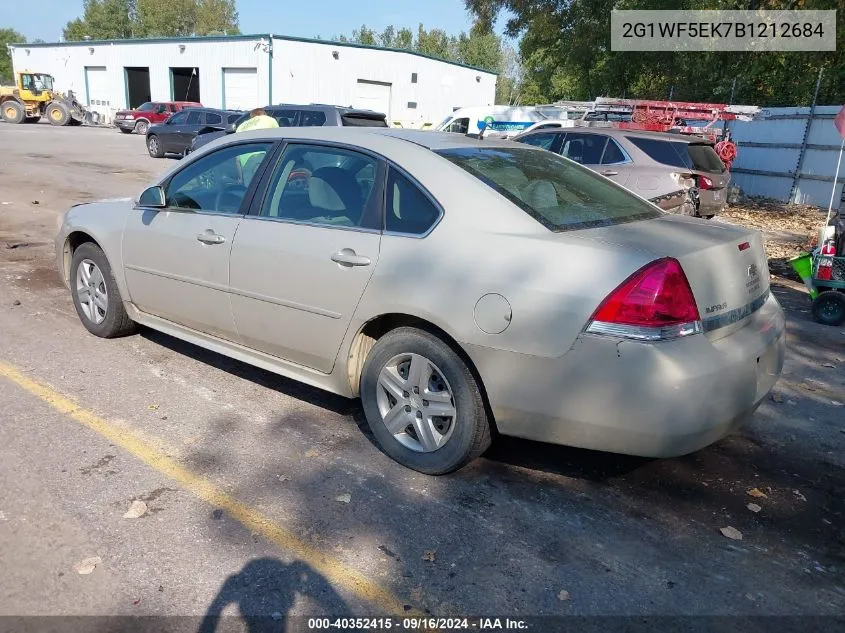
[(333, 570)]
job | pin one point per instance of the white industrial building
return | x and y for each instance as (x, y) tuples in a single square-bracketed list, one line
[(246, 71)]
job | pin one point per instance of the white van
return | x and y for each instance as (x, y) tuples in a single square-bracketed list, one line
[(508, 121), (501, 119)]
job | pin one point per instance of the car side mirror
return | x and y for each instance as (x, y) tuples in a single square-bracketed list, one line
[(153, 197)]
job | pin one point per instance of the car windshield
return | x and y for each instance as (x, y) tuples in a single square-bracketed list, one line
[(557, 192), (146, 107)]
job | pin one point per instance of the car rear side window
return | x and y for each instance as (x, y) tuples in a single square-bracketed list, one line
[(613, 154), (408, 210), (585, 149), (212, 119), (312, 119), (557, 193), (233, 118), (540, 140), (672, 153)]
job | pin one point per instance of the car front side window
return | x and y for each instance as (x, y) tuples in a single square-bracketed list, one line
[(585, 149), (324, 185), (216, 183), (178, 118)]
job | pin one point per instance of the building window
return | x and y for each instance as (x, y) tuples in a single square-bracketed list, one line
[(412, 105), (413, 78)]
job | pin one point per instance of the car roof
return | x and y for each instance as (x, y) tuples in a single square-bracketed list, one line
[(616, 132), (322, 106), (370, 136)]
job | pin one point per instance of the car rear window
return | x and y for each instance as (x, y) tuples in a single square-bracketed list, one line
[(362, 120), (698, 156), (705, 158), (558, 193)]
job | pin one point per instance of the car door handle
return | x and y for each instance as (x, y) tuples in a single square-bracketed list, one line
[(210, 237), (609, 172), (347, 257)]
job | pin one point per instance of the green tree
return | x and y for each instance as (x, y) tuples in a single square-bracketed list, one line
[(364, 36), (166, 18), (102, 20), (8, 36), (435, 42), (566, 53), (480, 47), (121, 19), (217, 16)]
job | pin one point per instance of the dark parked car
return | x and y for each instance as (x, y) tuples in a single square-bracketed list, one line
[(141, 118), (313, 115), (175, 135)]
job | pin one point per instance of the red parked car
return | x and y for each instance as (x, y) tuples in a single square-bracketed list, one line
[(140, 119)]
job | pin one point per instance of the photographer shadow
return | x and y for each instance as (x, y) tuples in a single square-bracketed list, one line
[(265, 591)]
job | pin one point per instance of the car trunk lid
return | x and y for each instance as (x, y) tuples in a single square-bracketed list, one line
[(725, 265)]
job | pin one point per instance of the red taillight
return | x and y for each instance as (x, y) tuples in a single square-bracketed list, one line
[(655, 302), (704, 182)]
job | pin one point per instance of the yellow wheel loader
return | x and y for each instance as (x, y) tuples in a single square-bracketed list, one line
[(33, 96)]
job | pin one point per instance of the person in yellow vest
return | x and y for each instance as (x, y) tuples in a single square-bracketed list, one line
[(257, 120)]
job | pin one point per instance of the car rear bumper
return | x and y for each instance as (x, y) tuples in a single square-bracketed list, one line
[(712, 201), (654, 400)]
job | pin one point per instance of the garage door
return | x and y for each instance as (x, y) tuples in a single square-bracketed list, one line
[(96, 85), (373, 95), (240, 88)]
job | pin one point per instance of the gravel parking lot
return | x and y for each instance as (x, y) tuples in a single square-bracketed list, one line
[(268, 498)]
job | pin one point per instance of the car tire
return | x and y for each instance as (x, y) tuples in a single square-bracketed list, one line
[(154, 146), (57, 114), (13, 112), (141, 127), (452, 441), (829, 308), (91, 277)]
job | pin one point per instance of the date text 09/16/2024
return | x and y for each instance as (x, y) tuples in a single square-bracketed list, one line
[(418, 624)]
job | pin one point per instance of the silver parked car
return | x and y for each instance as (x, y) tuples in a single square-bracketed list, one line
[(456, 286), (679, 173)]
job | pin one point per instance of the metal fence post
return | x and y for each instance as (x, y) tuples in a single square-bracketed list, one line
[(797, 176)]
